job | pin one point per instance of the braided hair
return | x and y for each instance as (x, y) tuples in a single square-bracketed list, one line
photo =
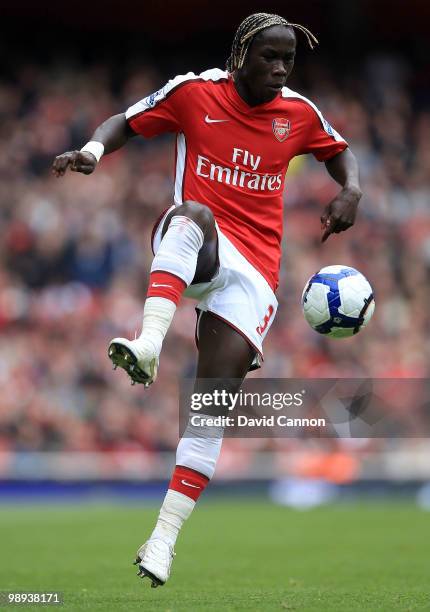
[(250, 27)]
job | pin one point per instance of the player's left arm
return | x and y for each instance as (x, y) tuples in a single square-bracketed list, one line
[(340, 213)]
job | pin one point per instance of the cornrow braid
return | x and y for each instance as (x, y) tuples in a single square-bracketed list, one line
[(250, 27)]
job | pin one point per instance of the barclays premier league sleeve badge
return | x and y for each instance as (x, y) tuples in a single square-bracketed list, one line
[(152, 100), (328, 128), (281, 128)]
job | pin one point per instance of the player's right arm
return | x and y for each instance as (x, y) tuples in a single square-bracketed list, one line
[(158, 113), (112, 134)]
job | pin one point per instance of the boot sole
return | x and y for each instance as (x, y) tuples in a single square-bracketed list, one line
[(121, 356)]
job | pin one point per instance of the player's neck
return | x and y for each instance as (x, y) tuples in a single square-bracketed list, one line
[(245, 93)]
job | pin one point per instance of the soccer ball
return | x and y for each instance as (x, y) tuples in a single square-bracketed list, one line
[(338, 301)]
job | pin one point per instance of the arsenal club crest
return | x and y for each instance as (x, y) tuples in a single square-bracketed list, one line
[(281, 128)]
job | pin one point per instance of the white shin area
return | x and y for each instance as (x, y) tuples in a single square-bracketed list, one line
[(157, 316), (175, 510), (198, 450), (179, 249)]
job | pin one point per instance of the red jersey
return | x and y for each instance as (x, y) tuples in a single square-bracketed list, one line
[(233, 157)]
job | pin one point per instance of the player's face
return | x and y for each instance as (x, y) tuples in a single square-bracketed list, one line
[(269, 62)]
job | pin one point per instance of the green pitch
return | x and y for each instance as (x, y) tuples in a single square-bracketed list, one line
[(231, 556)]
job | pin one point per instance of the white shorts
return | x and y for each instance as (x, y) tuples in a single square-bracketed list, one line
[(238, 294)]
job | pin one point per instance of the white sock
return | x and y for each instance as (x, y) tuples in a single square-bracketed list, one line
[(177, 254), (175, 510), (157, 316), (199, 447), (179, 249), (198, 450)]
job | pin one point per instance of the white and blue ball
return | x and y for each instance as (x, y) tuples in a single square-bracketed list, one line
[(338, 301)]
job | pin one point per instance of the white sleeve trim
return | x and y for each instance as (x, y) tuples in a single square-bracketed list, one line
[(214, 74), (289, 93)]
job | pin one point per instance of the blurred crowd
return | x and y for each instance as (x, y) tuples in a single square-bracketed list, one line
[(75, 254)]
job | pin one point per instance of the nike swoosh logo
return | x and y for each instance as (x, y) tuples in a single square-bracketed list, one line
[(188, 484), (160, 285), (209, 120)]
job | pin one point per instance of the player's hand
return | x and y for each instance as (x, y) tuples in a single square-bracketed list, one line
[(340, 214), (77, 161)]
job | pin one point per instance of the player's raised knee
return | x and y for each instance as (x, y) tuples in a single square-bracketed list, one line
[(199, 213)]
